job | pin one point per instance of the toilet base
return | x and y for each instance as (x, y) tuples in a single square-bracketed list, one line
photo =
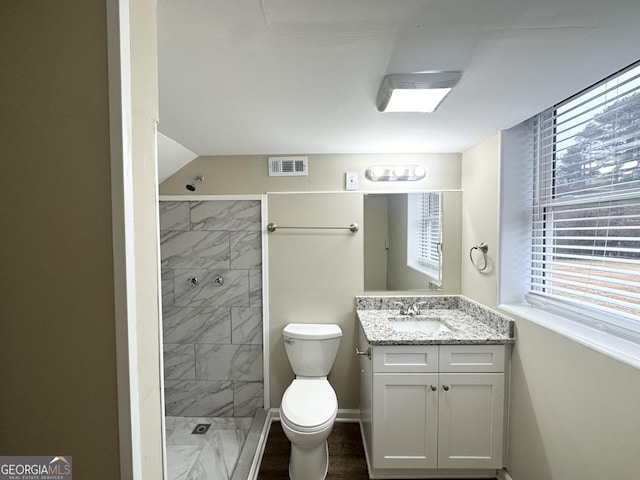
[(309, 463)]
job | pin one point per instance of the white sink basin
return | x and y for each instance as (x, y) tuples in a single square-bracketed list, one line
[(420, 323)]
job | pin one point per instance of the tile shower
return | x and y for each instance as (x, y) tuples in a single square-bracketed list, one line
[(211, 257)]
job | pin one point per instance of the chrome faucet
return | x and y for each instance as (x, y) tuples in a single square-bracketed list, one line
[(411, 310)]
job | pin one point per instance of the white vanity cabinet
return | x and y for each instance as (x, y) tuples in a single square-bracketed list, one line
[(432, 409)]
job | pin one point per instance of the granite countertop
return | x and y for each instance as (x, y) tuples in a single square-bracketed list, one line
[(469, 323)]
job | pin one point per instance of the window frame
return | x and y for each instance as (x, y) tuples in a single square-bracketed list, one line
[(614, 335), (548, 203), (420, 228)]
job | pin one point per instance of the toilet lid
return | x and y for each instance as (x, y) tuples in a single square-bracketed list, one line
[(309, 403), (313, 331)]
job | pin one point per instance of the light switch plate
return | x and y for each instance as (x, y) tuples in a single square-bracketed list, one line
[(351, 180)]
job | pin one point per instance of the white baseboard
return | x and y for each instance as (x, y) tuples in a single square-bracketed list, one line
[(503, 475), (273, 415), (348, 415), (343, 415)]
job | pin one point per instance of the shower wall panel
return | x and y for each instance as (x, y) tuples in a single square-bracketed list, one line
[(212, 332)]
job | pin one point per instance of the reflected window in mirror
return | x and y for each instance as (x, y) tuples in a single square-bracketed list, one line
[(385, 230), (424, 233)]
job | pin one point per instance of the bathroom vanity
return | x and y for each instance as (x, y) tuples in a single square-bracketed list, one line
[(432, 390)]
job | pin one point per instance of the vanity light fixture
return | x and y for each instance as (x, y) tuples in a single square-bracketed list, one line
[(415, 92), (394, 173)]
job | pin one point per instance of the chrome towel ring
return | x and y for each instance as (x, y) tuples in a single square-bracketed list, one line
[(484, 248)]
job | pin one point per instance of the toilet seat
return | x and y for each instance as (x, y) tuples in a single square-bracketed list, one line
[(309, 405)]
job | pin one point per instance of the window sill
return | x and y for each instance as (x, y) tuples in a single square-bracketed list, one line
[(431, 273), (622, 350)]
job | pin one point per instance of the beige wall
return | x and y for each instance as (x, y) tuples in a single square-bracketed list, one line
[(59, 387), (249, 174), (313, 276), (479, 219), (574, 412), (58, 355)]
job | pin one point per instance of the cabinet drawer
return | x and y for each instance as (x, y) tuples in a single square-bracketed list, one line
[(405, 358), (472, 358)]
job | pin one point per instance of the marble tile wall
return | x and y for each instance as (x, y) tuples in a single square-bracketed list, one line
[(212, 333)]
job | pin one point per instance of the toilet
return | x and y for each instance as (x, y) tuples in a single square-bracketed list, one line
[(309, 405)]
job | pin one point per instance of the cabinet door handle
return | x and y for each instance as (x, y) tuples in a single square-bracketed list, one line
[(433, 388), (445, 388)]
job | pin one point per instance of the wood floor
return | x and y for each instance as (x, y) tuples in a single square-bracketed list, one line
[(346, 454)]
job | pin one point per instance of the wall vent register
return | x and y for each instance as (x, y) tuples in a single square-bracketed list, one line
[(288, 166)]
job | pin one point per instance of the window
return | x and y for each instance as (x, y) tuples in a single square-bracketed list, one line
[(585, 226), (424, 238)]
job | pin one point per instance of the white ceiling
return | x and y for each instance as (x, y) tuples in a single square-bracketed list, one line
[(301, 76), (171, 157)]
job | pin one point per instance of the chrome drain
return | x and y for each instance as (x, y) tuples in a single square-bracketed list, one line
[(201, 429)]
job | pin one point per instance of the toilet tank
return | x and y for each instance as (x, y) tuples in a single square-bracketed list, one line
[(311, 347)]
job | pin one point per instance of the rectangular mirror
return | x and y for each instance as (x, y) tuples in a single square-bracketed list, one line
[(395, 259)]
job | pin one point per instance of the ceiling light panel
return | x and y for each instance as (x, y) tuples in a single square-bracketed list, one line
[(415, 92)]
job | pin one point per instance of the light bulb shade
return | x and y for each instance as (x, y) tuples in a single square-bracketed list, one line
[(395, 173), (415, 92)]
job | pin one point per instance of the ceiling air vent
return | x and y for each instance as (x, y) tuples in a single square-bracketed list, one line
[(288, 166)]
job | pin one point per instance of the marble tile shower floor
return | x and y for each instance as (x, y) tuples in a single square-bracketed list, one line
[(210, 456)]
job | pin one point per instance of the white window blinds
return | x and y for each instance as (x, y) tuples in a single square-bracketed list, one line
[(585, 245), (425, 230)]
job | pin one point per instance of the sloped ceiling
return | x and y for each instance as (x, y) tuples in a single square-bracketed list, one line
[(301, 76), (171, 157)]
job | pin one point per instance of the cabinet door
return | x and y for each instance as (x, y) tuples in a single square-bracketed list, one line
[(471, 416), (405, 420)]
